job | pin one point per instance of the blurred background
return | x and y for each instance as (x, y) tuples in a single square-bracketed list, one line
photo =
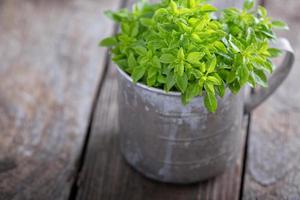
[(51, 74)]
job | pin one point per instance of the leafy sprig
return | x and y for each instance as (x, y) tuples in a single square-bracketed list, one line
[(181, 46)]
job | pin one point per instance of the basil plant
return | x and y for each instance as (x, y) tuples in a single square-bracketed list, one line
[(180, 45)]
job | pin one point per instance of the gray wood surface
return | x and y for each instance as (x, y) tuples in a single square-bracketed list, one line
[(273, 170), (51, 71), (50, 68), (105, 175)]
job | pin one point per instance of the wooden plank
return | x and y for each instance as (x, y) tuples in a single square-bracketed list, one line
[(274, 145), (50, 68)]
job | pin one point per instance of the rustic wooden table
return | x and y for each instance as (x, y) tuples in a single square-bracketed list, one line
[(58, 122)]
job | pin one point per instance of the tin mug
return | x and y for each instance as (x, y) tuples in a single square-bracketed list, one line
[(170, 142)]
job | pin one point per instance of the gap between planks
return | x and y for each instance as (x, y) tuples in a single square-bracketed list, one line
[(80, 161), (245, 155)]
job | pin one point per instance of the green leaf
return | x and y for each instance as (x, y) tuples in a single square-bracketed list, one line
[(220, 46), (151, 76), (248, 4), (201, 85), (191, 3), (280, 24), (233, 46), (220, 90), (138, 73), (195, 57), (202, 67), (167, 58), (180, 54), (260, 78), (182, 82), (108, 42), (268, 34), (173, 6), (125, 28), (234, 87), (209, 87), (179, 69), (140, 50), (274, 52), (131, 61), (261, 63), (243, 73), (207, 8), (251, 80), (156, 62), (134, 30), (191, 92), (117, 16), (161, 79), (185, 46), (262, 11), (210, 102), (147, 22), (214, 80), (231, 76), (170, 81), (212, 65), (152, 71)]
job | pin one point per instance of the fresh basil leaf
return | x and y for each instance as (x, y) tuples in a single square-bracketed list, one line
[(191, 92), (209, 87), (138, 73), (167, 58), (248, 4), (262, 11), (234, 87), (182, 82), (207, 8), (179, 69), (180, 54), (280, 24), (260, 78), (181, 45), (274, 52), (243, 73), (195, 57), (108, 42), (220, 90), (170, 82), (214, 80), (147, 22), (132, 61), (220, 46), (210, 102), (140, 50), (212, 65)]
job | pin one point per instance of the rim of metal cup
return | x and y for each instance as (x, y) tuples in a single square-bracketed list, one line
[(143, 86)]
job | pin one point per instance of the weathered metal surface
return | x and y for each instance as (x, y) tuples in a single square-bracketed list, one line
[(170, 142), (106, 175)]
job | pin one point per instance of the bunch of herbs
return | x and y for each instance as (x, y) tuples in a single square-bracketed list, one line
[(180, 45)]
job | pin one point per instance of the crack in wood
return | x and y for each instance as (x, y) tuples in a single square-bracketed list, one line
[(81, 159)]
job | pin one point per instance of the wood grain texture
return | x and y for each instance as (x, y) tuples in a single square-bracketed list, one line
[(273, 161), (106, 175), (50, 67)]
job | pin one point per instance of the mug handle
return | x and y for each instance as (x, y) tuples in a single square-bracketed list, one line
[(276, 79)]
